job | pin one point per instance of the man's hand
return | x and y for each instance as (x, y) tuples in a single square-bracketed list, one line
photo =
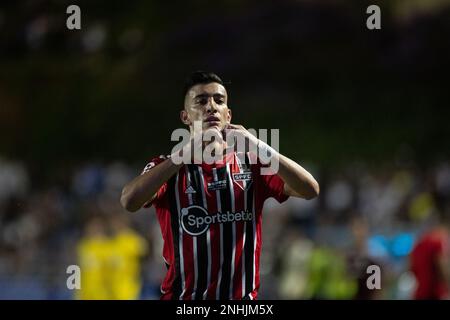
[(243, 135)]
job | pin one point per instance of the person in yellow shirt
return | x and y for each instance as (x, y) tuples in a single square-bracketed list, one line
[(128, 248), (93, 252)]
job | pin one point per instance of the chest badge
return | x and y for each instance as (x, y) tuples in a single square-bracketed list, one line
[(243, 179)]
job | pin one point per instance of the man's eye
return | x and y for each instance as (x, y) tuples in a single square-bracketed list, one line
[(219, 101), (202, 101)]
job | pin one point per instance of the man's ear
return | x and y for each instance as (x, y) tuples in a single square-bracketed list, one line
[(185, 117), (229, 115)]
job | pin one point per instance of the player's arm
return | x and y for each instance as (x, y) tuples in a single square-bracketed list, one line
[(297, 181), (144, 187)]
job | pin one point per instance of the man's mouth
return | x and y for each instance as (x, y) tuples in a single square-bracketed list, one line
[(212, 121), (212, 118)]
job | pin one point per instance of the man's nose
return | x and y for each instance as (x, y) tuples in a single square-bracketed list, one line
[(211, 106)]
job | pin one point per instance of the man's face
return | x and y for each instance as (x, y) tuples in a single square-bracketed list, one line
[(206, 103)]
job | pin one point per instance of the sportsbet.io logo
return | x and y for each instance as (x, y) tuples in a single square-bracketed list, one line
[(195, 219)]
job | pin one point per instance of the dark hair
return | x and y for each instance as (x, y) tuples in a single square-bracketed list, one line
[(200, 77)]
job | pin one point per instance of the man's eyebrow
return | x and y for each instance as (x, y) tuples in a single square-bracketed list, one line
[(205, 95)]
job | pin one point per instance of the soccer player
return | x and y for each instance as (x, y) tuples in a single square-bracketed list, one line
[(211, 214)]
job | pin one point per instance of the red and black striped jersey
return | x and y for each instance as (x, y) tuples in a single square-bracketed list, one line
[(210, 218)]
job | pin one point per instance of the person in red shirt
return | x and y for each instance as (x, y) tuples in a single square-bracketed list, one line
[(210, 213), (429, 264)]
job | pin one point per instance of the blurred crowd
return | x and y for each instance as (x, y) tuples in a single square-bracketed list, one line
[(318, 249)]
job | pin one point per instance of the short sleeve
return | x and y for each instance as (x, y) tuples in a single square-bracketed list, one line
[(162, 190), (273, 186)]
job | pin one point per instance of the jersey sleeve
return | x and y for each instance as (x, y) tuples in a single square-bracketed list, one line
[(272, 186), (162, 190)]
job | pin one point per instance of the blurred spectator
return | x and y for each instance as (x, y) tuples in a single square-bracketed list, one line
[(430, 262), (296, 254), (14, 180), (359, 260), (94, 252), (328, 277), (127, 251)]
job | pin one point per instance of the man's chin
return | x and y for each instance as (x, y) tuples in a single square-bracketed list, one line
[(212, 129)]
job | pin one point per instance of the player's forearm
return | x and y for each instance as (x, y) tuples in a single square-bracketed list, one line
[(298, 181), (142, 188)]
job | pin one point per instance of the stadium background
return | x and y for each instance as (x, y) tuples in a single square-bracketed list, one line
[(82, 111)]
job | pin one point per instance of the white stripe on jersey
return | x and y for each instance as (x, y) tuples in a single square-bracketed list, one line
[(233, 246), (180, 238), (219, 209), (194, 239), (208, 234)]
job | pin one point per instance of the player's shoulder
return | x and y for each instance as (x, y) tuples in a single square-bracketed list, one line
[(154, 161)]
